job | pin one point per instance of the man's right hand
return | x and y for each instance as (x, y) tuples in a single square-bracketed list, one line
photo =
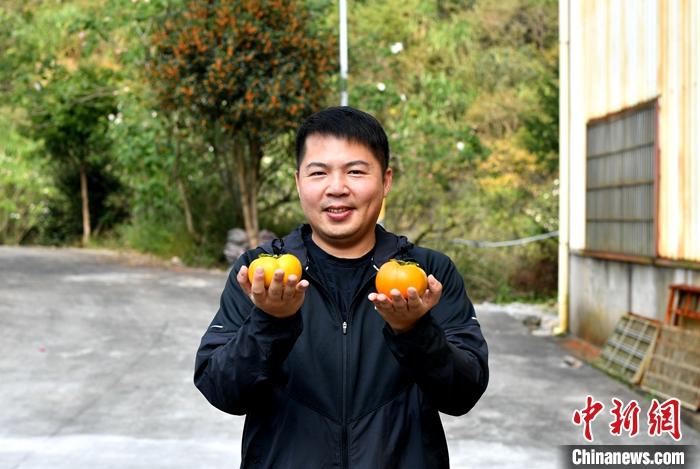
[(278, 300)]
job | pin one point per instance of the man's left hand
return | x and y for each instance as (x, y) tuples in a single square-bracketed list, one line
[(402, 314)]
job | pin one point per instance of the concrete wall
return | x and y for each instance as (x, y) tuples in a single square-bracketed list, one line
[(602, 290)]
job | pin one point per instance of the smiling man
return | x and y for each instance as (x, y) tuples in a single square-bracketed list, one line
[(341, 187), (329, 373)]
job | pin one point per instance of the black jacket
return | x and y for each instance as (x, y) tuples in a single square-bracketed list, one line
[(322, 393)]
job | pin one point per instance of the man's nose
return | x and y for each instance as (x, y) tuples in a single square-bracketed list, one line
[(337, 185)]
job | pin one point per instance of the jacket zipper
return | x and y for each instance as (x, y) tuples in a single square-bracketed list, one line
[(344, 435), (344, 332), (344, 463), (344, 429)]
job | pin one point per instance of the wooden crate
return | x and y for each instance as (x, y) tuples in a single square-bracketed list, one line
[(628, 349), (674, 368), (683, 303)]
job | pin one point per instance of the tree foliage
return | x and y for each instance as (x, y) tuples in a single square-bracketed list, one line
[(70, 116), (247, 71), (26, 189), (467, 91)]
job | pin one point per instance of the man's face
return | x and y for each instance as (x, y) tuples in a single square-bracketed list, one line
[(341, 187)]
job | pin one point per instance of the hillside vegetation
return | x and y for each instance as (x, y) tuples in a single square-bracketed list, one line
[(160, 125)]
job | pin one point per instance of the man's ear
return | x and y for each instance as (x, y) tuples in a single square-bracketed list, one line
[(388, 179), (296, 180)]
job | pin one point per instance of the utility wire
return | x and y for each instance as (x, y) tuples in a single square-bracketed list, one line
[(502, 244)]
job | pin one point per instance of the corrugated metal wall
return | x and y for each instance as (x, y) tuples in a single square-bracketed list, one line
[(627, 52), (620, 182), (679, 201)]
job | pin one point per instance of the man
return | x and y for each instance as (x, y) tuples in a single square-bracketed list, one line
[(328, 372)]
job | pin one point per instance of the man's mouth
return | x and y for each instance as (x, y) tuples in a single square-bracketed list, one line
[(337, 209), (338, 213)]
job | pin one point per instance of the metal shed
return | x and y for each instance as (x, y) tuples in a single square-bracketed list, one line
[(629, 158)]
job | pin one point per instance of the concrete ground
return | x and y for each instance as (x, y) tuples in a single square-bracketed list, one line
[(96, 360)]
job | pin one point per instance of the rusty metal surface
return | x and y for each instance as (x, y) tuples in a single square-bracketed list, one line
[(679, 215), (628, 52)]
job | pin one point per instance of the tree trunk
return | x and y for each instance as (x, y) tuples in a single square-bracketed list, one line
[(86, 204), (246, 174), (181, 186), (226, 156), (186, 207)]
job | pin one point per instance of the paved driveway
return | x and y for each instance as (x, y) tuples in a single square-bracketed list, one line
[(96, 360)]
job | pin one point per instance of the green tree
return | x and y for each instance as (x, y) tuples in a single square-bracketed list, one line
[(540, 131), (26, 186), (44, 41), (461, 88), (248, 71), (70, 115), (466, 90)]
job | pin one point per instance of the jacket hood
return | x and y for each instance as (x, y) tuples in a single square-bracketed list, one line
[(387, 245)]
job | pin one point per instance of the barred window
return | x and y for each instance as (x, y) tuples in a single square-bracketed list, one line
[(620, 176)]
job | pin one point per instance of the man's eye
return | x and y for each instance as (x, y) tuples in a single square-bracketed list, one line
[(317, 173), (356, 171)]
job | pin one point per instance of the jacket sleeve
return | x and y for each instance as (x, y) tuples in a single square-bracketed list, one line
[(241, 353), (445, 351)]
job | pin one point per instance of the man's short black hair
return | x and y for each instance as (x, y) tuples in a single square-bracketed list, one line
[(347, 123)]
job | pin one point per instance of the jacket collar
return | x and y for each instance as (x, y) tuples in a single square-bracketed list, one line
[(387, 246)]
